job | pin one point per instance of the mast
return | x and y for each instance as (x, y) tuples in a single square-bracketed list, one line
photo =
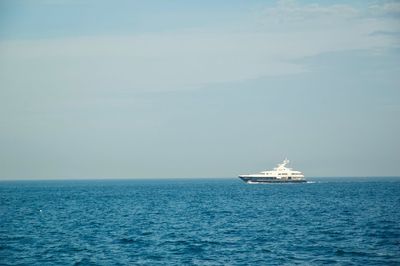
[(282, 165)]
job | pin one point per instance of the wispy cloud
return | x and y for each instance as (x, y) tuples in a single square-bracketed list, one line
[(391, 9), (287, 12), (191, 59)]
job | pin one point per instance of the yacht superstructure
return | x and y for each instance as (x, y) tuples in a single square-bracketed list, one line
[(280, 174)]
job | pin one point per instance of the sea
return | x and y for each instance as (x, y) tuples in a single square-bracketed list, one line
[(329, 221)]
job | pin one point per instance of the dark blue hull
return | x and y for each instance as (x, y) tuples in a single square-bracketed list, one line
[(269, 180)]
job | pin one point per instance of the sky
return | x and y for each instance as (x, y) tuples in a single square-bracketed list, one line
[(168, 89)]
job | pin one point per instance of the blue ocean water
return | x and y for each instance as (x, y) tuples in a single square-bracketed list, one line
[(200, 222)]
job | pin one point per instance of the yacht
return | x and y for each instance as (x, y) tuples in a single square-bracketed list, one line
[(280, 174)]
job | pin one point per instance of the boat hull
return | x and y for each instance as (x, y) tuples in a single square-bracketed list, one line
[(255, 180)]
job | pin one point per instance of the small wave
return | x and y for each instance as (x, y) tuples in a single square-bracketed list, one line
[(82, 261), (194, 249), (126, 240), (253, 183), (341, 252)]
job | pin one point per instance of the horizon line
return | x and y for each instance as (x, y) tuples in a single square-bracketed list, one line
[(164, 178)]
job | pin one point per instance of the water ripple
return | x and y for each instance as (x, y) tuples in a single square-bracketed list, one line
[(223, 222)]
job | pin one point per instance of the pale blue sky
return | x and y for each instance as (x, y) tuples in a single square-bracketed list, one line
[(112, 89)]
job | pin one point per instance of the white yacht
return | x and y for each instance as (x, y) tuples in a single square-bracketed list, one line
[(280, 174)]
